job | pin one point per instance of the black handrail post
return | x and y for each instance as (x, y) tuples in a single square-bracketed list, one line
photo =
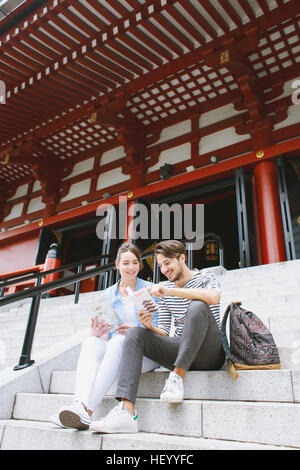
[(221, 256), (25, 360), (189, 249), (2, 291), (77, 289)]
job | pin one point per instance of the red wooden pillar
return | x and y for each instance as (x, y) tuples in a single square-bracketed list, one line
[(129, 224), (271, 229)]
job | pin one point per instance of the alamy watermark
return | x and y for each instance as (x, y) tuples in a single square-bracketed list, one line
[(152, 222), (296, 94), (2, 92)]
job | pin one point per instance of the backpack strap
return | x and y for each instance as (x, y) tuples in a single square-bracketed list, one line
[(223, 332), (226, 347)]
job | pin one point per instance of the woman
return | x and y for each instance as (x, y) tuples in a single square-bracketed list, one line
[(100, 355)]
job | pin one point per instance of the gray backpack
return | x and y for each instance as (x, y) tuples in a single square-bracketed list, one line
[(252, 345)]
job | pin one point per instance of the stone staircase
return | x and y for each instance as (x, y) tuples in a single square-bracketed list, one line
[(59, 317), (258, 411)]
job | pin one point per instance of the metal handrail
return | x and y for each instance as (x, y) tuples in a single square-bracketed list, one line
[(37, 291), (10, 280), (24, 272), (71, 279)]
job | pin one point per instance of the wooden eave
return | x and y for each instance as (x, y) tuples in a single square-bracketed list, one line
[(161, 58)]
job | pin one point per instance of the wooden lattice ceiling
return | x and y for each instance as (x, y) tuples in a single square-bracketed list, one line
[(72, 57)]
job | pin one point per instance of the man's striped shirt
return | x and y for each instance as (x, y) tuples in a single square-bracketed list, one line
[(176, 307)]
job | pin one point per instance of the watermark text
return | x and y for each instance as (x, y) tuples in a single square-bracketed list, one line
[(152, 222)]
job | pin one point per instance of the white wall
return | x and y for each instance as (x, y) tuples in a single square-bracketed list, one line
[(35, 204), (77, 189)]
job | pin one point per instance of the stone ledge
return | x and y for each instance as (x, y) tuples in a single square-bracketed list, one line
[(36, 378)]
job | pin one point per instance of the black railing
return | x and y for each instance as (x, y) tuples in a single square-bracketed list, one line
[(16, 279), (35, 274), (39, 289), (36, 293)]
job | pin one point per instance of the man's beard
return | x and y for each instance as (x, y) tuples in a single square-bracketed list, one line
[(178, 276)]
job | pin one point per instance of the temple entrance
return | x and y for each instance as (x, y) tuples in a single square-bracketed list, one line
[(228, 241), (289, 183), (81, 241)]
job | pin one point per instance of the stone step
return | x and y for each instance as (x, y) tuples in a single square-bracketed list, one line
[(48, 309), (273, 301), (263, 296), (30, 435), (40, 339), (281, 321), (266, 310), (82, 317), (267, 423), (18, 324), (246, 291), (261, 284), (18, 303), (39, 342), (276, 274), (289, 356), (262, 281), (286, 337), (254, 385), (8, 363), (270, 423), (71, 317), (51, 326), (284, 328), (275, 269), (256, 273)]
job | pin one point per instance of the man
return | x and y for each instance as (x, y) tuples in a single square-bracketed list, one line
[(191, 298)]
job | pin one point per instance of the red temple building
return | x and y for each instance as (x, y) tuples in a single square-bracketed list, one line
[(157, 101)]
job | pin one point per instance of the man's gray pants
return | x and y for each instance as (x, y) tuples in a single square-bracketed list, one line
[(198, 348)]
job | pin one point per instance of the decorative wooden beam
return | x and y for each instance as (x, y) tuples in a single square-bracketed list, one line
[(131, 134), (259, 125), (6, 192), (47, 169)]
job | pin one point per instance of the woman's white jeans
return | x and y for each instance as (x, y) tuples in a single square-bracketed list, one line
[(98, 366)]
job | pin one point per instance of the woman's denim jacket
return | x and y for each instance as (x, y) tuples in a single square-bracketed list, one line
[(115, 298)]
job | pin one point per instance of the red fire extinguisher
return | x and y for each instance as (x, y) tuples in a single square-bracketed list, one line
[(52, 261)]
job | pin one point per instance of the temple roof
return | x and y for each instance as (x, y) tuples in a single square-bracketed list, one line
[(76, 71)]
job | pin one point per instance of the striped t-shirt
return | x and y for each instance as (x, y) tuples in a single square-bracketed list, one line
[(176, 307)]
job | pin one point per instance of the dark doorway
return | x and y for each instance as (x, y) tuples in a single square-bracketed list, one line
[(291, 168), (220, 219)]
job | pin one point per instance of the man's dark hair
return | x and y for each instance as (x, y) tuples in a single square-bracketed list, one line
[(170, 249)]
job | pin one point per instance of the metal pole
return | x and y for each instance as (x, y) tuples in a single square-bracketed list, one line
[(77, 289), (2, 291), (24, 360)]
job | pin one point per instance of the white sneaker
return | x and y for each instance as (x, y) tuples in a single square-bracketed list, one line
[(55, 420), (118, 420), (173, 390), (74, 416)]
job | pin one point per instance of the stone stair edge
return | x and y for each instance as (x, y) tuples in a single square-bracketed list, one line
[(254, 386), (271, 423), (140, 441)]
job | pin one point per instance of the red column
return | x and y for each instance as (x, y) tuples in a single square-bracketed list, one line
[(130, 218), (272, 237)]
